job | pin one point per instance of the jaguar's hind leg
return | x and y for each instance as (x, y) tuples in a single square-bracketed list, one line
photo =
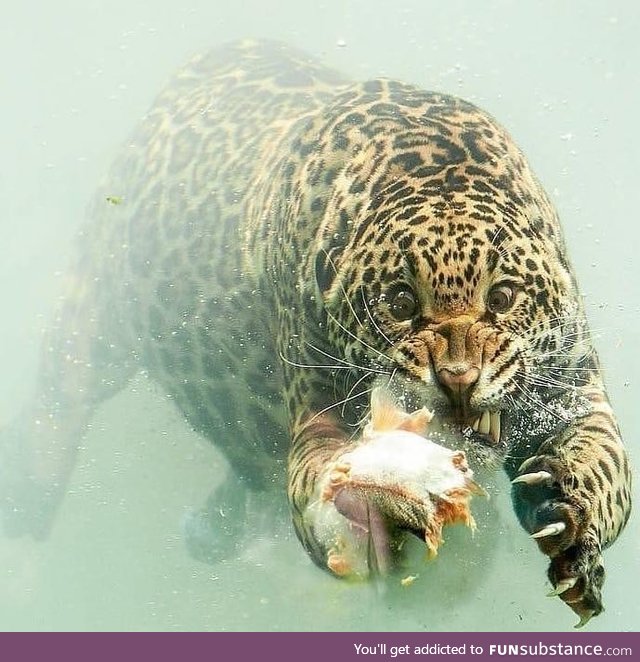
[(214, 532), (83, 362)]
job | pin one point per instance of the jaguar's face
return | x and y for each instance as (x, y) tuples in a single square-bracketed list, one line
[(460, 317)]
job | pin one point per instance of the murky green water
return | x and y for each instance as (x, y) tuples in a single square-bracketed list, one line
[(77, 76)]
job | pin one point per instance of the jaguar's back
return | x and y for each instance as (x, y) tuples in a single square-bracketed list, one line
[(164, 281)]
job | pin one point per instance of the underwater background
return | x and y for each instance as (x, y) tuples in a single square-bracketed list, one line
[(76, 77)]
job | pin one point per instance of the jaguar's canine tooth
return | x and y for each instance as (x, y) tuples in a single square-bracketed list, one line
[(485, 423), (488, 423), (550, 530), (494, 430), (534, 478), (563, 586)]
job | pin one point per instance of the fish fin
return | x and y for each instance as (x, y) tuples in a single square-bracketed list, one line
[(433, 538), (417, 422), (386, 415), (474, 488), (459, 460)]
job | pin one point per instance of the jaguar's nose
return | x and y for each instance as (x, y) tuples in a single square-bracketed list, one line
[(458, 379)]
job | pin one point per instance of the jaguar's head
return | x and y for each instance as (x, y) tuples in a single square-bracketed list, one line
[(451, 286)]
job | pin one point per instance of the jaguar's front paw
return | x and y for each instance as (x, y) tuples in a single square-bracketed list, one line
[(552, 507)]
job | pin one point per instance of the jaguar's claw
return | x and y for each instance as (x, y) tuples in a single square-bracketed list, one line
[(563, 586), (584, 619), (534, 478), (550, 530)]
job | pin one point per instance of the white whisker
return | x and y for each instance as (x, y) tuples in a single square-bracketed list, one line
[(351, 390), (340, 402), (344, 292), (563, 352), (344, 362), (535, 400), (370, 316), (362, 342), (567, 368), (321, 365), (548, 382)]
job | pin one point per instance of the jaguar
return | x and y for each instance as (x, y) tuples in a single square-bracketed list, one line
[(275, 241)]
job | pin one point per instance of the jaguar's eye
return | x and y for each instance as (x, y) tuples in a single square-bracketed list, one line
[(500, 298), (403, 304)]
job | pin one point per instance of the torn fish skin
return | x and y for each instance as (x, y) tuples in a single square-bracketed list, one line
[(394, 481)]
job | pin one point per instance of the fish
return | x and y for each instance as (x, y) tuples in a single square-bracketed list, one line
[(394, 480)]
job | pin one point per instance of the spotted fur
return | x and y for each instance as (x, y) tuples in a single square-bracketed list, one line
[(274, 240)]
